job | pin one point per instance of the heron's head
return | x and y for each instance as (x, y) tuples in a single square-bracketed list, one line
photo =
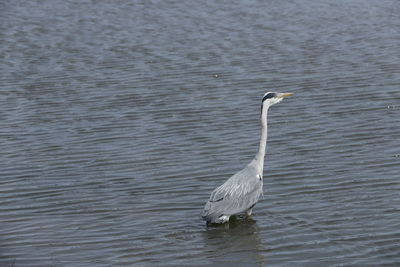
[(271, 98)]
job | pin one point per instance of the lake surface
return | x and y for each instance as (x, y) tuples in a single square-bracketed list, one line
[(118, 119)]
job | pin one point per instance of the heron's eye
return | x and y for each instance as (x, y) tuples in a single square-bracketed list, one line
[(269, 95)]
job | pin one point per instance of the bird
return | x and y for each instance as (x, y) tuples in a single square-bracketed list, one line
[(240, 193)]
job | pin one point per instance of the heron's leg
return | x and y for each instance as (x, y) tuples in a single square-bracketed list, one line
[(249, 211), (223, 218)]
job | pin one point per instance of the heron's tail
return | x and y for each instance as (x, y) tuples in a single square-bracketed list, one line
[(212, 217)]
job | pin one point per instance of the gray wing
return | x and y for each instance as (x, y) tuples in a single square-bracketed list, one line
[(236, 195)]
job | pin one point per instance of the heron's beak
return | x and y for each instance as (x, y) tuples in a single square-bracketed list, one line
[(283, 95)]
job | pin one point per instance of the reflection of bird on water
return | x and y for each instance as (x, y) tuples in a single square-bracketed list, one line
[(240, 193), (237, 243)]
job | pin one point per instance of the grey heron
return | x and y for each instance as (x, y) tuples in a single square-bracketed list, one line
[(240, 193)]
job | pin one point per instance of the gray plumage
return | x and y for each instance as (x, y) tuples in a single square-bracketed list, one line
[(240, 193)]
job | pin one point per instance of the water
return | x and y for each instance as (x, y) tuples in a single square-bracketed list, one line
[(119, 118)]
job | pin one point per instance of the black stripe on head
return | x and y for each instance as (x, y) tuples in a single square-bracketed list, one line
[(268, 96)]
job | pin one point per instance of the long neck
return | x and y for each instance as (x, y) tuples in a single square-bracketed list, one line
[(263, 140)]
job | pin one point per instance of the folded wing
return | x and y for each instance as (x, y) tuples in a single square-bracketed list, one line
[(238, 194)]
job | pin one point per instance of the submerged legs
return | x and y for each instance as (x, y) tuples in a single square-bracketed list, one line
[(249, 211)]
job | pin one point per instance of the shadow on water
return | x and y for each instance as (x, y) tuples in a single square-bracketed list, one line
[(237, 242)]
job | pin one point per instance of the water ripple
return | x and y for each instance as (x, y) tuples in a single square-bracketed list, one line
[(118, 120)]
